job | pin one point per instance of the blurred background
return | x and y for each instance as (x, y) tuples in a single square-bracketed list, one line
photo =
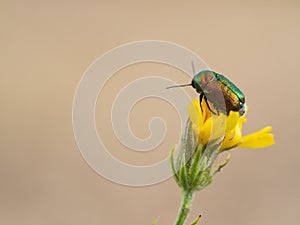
[(47, 45)]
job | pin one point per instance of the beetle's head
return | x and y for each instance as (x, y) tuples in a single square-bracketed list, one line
[(196, 85), (201, 79)]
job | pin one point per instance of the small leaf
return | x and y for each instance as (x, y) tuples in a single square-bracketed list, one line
[(154, 222), (222, 165), (196, 220)]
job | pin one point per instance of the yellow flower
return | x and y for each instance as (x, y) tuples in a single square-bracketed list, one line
[(229, 127)]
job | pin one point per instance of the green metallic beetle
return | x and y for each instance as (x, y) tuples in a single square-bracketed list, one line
[(216, 89), (219, 91)]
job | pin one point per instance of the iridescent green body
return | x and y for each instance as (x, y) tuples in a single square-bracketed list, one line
[(219, 91)]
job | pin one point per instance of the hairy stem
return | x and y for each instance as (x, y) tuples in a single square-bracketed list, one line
[(186, 203)]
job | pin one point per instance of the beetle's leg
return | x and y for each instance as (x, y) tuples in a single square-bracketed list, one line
[(200, 100), (213, 112)]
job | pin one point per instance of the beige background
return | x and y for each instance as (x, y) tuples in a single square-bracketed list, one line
[(47, 45)]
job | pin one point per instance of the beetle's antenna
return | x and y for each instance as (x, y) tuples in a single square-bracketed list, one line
[(182, 85), (193, 68)]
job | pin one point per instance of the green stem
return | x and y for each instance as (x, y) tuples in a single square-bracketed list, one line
[(186, 203)]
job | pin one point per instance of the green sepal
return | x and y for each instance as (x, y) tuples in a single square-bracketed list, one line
[(203, 179), (195, 161), (175, 174), (201, 169), (211, 150), (188, 145), (183, 175), (192, 168)]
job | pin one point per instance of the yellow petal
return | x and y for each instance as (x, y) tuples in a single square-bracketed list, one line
[(232, 120), (213, 128), (196, 129), (259, 139), (232, 138), (195, 114)]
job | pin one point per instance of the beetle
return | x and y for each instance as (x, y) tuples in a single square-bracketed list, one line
[(216, 89)]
